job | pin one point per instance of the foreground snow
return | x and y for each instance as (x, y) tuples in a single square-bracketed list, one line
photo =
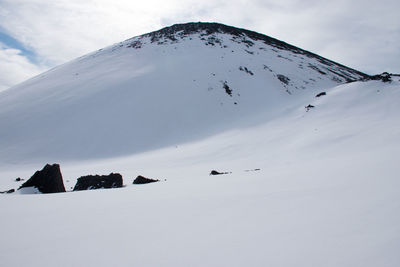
[(326, 194)]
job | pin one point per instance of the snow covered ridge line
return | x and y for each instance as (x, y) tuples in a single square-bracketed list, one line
[(208, 32), (49, 180)]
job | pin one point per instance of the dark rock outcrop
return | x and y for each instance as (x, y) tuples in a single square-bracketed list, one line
[(384, 77), (19, 179), (320, 94), (48, 180), (143, 180), (90, 182)]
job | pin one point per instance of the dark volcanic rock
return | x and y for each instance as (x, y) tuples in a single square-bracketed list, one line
[(228, 90), (283, 79), (214, 172), (48, 180), (8, 191), (384, 77), (143, 180), (309, 107), (89, 182)]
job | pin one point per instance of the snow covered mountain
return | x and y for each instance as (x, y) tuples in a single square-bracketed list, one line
[(178, 84), (310, 181)]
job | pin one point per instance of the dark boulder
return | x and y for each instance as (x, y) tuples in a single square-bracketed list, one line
[(90, 182), (320, 94), (48, 180), (214, 172), (143, 180)]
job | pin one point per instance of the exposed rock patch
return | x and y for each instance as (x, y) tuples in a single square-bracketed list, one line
[(384, 77), (48, 180), (90, 182)]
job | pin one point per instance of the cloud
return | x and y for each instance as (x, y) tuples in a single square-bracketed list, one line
[(15, 68), (361, 35)]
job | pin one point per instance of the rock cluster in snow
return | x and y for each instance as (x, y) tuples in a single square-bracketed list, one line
[(49, 180)]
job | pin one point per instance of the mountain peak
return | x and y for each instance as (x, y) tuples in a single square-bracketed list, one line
[(208, 31), (183, 82)]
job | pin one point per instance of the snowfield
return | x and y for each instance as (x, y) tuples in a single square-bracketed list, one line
[(304, 188), (326, 194)]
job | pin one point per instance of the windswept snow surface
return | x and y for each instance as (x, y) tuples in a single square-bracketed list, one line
[(326, 194)]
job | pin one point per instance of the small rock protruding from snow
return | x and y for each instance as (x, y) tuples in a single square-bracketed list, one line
[(143, 180), (245, 69), (320, 94), (308, 107), (7, 191), (252, 170), (214, 172), (48, 180), (228, 90), (283, 79), (90, 182)]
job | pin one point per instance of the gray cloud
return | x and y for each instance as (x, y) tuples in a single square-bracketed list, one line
[(362, 35), (14, 67)]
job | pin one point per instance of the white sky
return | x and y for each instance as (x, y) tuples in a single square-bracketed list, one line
[(364, 35)]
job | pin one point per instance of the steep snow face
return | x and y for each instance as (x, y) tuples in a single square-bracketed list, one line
[(179, 84)]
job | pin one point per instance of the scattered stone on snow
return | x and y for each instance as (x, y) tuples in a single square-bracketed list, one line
[(214, 172), (228, 90), (143, 180), (309, 107), (252, 170), (320, 94), (7, 191)]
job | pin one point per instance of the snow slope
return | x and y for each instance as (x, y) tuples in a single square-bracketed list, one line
[(326, 192), (156, 90)]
